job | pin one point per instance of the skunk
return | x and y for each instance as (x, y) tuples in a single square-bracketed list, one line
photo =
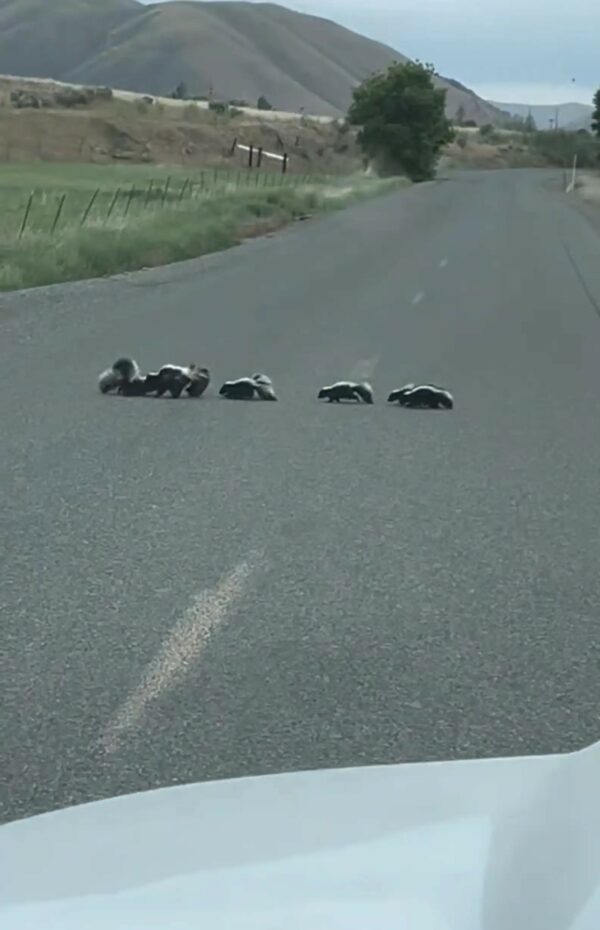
[(347, 390), (124, 376), (246, 388), (176, 379), (199, 381), (264, 387), (427, 396)]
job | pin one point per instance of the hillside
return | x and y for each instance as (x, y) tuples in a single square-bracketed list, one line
[(570, 115), (242, 50)]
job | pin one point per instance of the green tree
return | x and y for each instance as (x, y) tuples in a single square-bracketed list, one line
[(402, 121), (180, 92), (596, 114), (263, 104), (460, 116), (530, 125)]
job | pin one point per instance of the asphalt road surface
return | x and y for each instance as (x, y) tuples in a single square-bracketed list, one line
[(203, 589)]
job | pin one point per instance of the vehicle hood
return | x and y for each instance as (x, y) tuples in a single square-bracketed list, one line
[(499, 844)]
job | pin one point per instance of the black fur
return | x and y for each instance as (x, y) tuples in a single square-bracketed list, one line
[(423, 396), (175, 379), (258, 385), (347, 390), (242, 389)]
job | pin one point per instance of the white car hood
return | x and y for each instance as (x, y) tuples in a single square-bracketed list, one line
[(499, 844)]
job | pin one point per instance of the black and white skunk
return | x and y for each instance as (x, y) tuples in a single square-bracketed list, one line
[(247, 388), (176, 378), (124, 376), (347, 390), (424, 396), (264, 387)]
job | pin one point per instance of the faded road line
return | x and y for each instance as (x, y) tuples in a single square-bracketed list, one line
[(418, 297), (181, 649), (444, 263)]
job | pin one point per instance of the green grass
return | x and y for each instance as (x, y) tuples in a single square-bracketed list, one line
[(144, 216)]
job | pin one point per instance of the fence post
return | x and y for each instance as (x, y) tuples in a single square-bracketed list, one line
[(166, 190), (250, 155), (61, 204), (26, 216), (112, 204), (183, 189), (129, 199), (285, 163), (86, 212), (148, 192), (233, 147)]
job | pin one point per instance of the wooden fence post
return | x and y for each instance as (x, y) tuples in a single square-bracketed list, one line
[(129, 199), (86, 212), (26, 216), (148, 192), (112, 204), (166, 190), (61, 204)]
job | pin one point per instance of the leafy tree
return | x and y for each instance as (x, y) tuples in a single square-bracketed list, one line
[(460, 115), (596, 114), (263, 104), (180, 92), (529, 125), (402, 119)]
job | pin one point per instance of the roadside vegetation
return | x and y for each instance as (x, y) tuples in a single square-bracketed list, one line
[(65, 222), (490, 147)]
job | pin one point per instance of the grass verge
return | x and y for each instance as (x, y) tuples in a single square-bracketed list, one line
[(150, 229)]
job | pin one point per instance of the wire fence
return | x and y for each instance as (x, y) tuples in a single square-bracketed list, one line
[(48, 211)]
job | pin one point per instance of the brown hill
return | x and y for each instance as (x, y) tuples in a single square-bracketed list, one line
[(241, 50)]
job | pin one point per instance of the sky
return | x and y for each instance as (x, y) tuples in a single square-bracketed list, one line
[(514, 51)]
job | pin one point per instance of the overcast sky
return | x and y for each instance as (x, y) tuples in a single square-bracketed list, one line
[(517, 51)]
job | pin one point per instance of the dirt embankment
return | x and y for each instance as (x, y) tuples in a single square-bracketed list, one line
[(42, 121)]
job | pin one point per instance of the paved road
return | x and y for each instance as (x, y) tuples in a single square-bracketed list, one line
[(200, 589)]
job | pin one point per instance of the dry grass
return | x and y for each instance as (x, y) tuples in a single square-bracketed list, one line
[(588, 186), (503, 150), (187, 135)]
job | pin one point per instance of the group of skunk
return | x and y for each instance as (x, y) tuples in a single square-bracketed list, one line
[(425, 396), (125, 377)]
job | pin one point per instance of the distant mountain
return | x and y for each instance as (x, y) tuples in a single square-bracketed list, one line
[(242, 50), (570, 115)]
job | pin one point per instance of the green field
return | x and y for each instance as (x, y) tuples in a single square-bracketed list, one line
[(61, 222)]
